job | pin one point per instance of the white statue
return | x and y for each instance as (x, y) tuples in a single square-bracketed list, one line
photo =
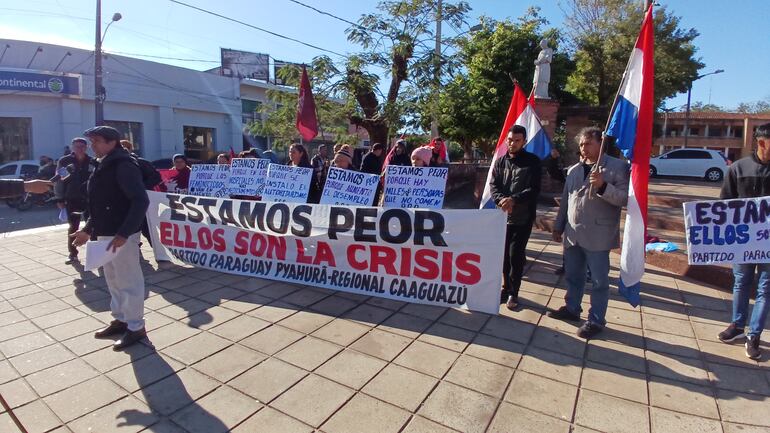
[(542, 71)]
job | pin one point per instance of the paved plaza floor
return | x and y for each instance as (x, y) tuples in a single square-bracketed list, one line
[(249, 355)]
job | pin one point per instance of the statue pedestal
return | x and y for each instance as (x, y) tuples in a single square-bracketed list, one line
[(547, 110)]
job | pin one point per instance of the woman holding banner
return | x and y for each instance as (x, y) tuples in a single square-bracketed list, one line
[(343, 158), (180, 178)]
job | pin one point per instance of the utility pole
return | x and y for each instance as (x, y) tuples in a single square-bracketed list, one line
[(437, 72), (98, 87)]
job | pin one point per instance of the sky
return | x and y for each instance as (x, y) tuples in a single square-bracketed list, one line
[(733, 35)]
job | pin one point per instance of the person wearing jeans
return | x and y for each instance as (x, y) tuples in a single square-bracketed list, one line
[(595, 191), (749, 177)]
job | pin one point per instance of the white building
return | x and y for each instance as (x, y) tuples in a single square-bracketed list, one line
[(47, 98)]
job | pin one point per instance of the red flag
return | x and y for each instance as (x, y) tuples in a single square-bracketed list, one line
[(307, 123)]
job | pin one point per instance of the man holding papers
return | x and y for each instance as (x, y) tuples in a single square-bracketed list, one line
[(117, 202)]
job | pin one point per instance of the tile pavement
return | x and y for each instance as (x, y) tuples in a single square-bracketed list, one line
[(231, 353)]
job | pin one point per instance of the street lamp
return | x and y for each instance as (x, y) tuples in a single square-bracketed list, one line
[(687, 112), (99, 91)]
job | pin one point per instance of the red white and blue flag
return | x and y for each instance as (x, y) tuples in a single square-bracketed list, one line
[(631, 125), (520, 112)]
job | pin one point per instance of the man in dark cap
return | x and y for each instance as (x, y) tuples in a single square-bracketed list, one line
[(117, 202)]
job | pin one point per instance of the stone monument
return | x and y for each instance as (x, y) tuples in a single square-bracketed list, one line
[(542, 71)]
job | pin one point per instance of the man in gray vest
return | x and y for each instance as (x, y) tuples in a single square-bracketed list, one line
[(589, 225)]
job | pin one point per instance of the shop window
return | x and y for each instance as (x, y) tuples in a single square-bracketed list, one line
[(199, 142), (131, 131), (15, 138)]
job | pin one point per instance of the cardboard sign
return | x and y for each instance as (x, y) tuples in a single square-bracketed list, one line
[(415, 187), (210, 180), (284, 183), (728, 231), (247, 176), (349, 187)]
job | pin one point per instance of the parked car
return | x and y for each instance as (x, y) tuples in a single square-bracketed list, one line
[(19, 169), (706, 164)]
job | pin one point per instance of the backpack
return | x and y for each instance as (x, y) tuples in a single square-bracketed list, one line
[(150, 176)]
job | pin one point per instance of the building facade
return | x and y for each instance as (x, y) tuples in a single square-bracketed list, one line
[(47, 98), (730, 133)]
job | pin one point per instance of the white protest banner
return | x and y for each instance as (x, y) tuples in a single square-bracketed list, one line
[(247, 176), (415, 187), (287, 184), (210, 180), (436, 257), (349, 187), (728, 231)]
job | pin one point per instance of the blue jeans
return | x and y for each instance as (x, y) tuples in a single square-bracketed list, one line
[(744, 279), (575, 260)]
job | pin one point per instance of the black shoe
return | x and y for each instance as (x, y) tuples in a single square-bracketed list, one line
[(731, 334), (115, 327), (752, 347), (129, 338), (72, 259), (512, 303), (559, 270), (588, 330), (563, 313)]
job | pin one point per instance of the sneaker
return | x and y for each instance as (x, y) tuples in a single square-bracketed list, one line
[(114, 328), (563, 313), (588, 330), (752, 347), (732, 333), (512, 303), (129, 338), (72, 259)]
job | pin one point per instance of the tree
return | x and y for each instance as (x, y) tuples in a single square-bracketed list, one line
[(701, 107), (474, 102), (602, 34), (754, 107), (280, 113), (397, 41)]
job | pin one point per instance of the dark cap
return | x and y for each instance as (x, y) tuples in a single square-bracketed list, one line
[(108, 133)]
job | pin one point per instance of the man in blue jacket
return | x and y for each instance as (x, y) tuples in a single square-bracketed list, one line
[(117, 202)]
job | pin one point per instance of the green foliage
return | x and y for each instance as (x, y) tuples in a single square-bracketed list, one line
[(473, 104), (603, 33), (700, 106)]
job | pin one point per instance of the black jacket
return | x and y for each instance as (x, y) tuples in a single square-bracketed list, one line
[(401, 160), (117, 200), (518, 178), (748, 177), (74, 186), (371, 164)]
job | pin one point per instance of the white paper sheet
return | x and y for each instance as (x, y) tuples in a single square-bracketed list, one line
[(97, 254)]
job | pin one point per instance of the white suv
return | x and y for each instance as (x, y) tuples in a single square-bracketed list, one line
[(707, 164)]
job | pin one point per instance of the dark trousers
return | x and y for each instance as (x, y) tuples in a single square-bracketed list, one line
[(515, 256), (75, 209)]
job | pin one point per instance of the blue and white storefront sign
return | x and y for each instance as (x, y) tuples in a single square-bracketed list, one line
[(39, 82)]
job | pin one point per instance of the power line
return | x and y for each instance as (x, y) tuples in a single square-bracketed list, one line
[(257, 28)]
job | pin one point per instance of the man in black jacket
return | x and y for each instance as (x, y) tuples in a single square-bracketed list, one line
[(372, 162), (117, 202), (73, 171), (749, 177), (515, 186)]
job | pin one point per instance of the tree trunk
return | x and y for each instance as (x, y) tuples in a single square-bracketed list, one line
[(467, 148)]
